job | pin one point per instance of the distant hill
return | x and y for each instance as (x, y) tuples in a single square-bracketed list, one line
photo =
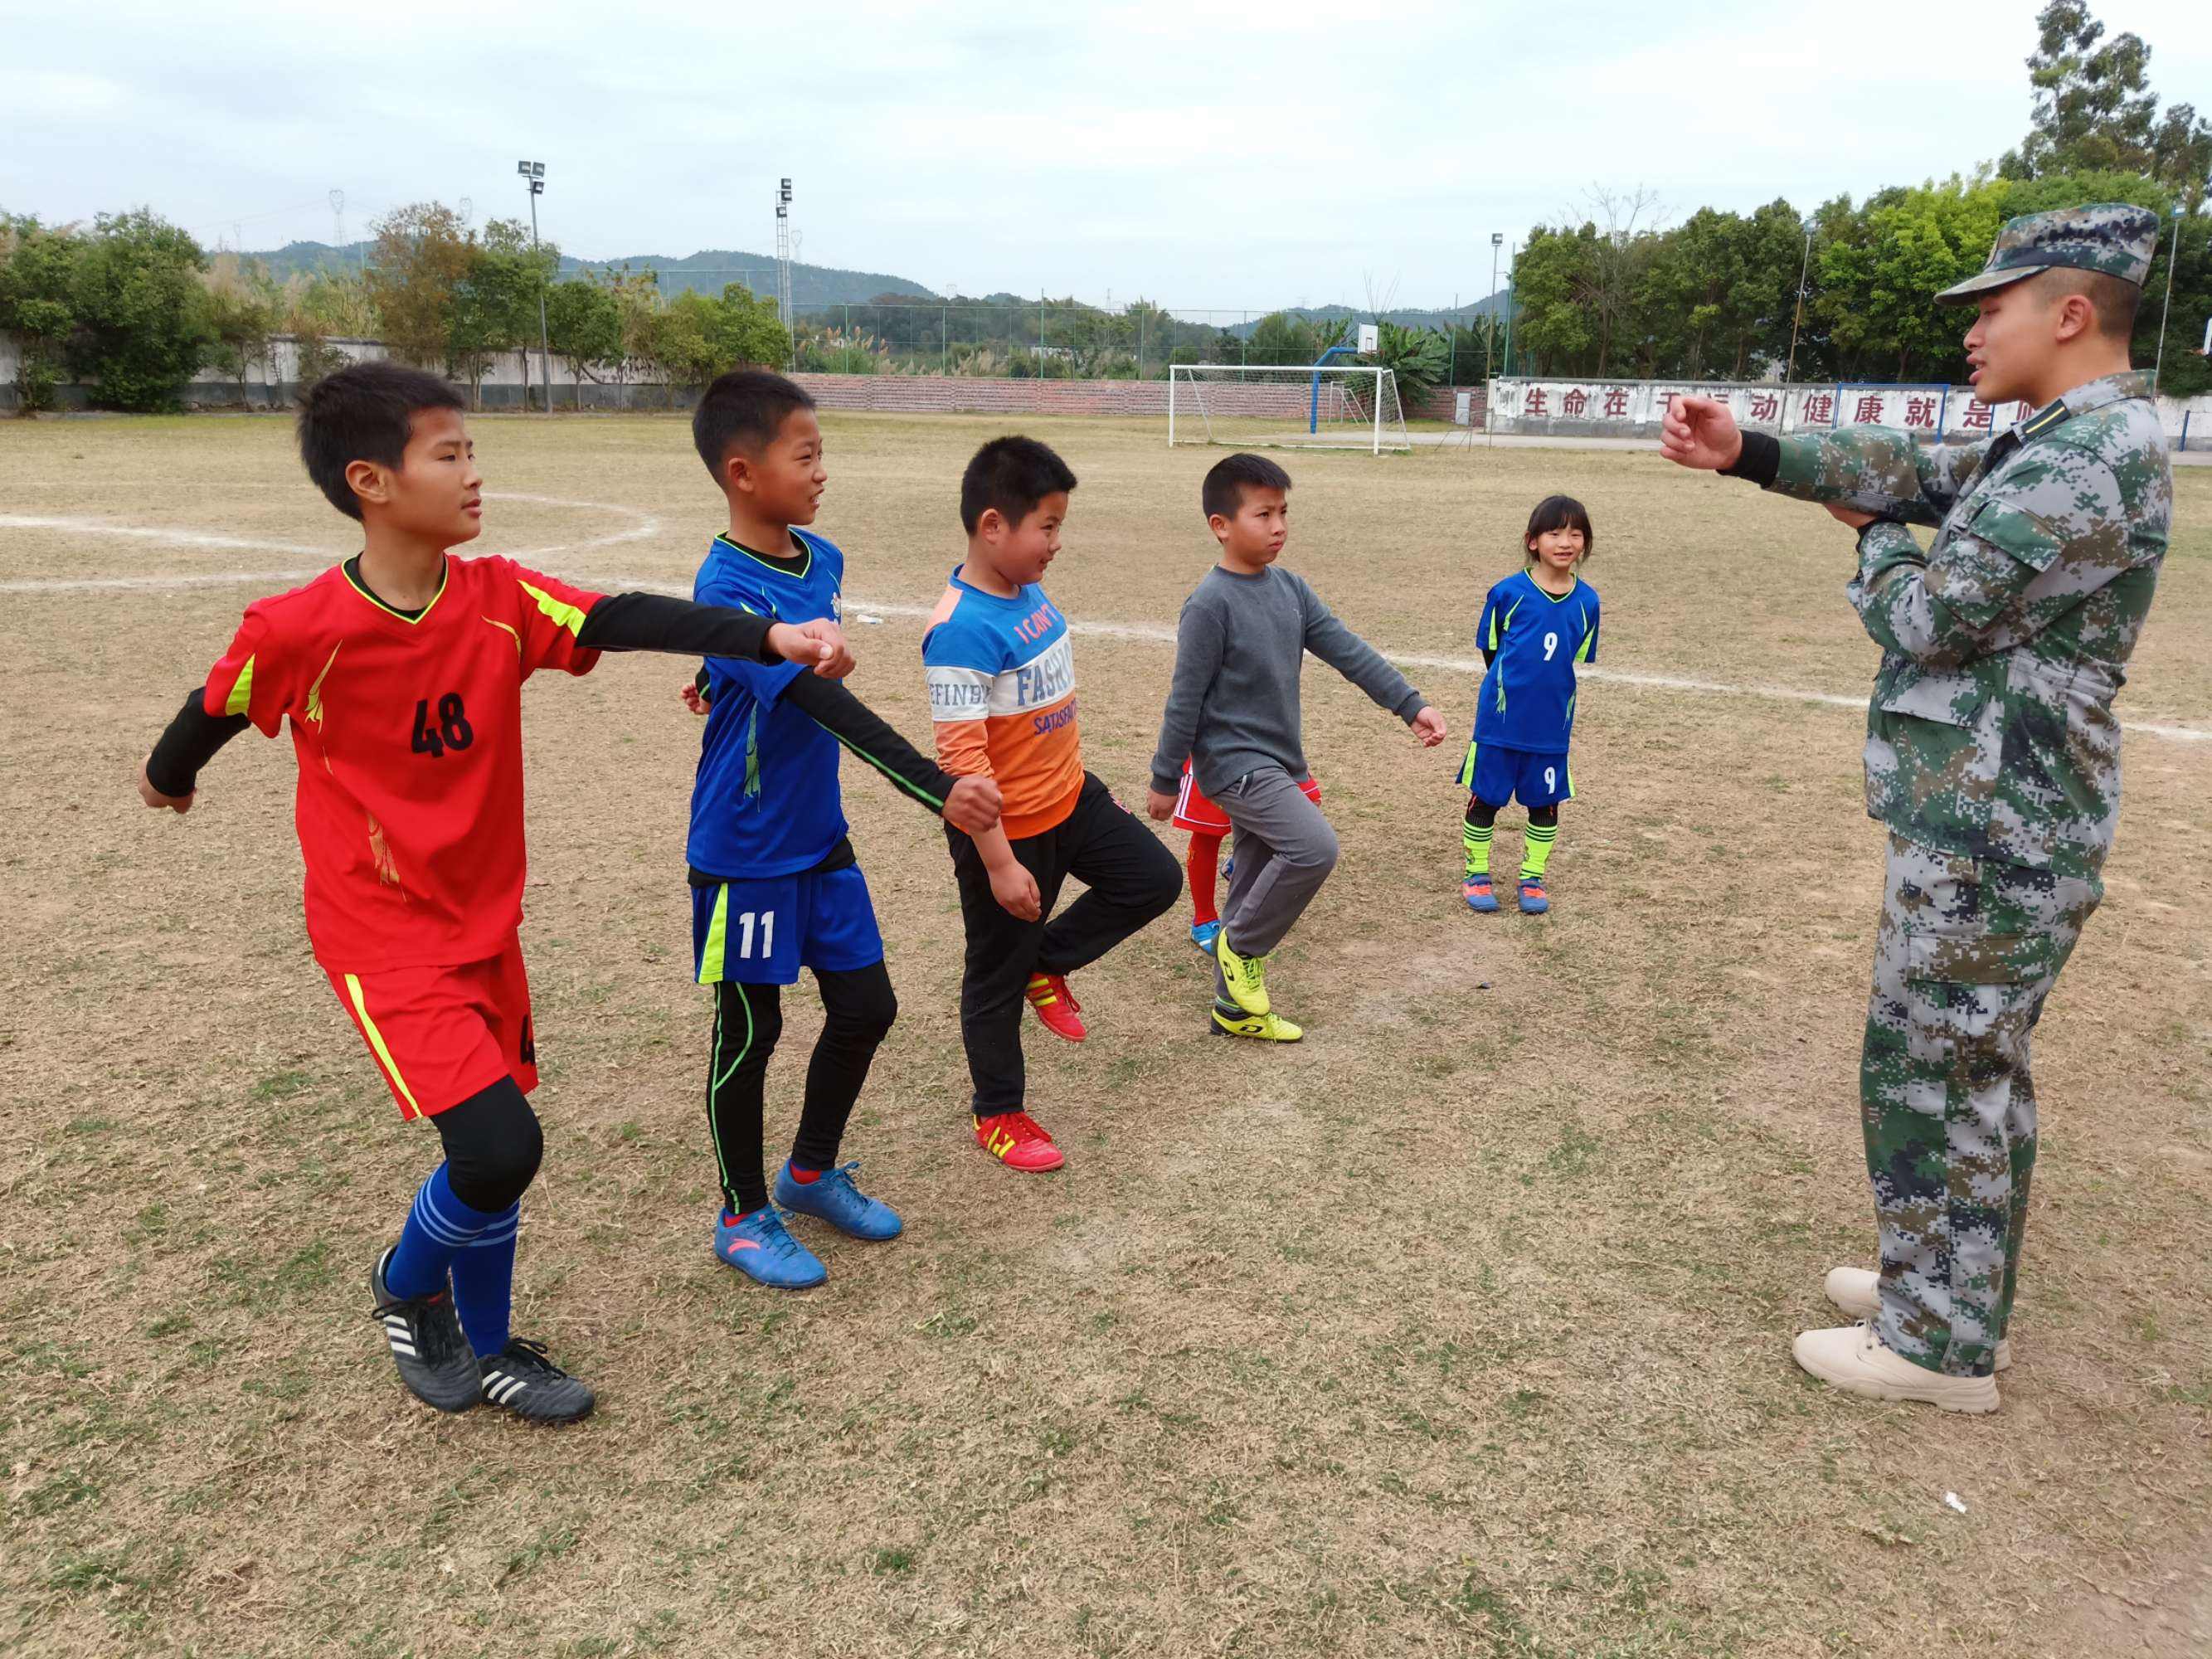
[(709, 271), (1404, 316)]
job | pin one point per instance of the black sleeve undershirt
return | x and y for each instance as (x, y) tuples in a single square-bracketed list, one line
[(864, 732), (189, 743), (1759, 462), (654, 621)]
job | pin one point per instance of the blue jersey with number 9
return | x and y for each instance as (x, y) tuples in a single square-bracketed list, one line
[(1528, 699)]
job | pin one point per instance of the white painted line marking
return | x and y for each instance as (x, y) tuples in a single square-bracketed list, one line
[(645, 526)]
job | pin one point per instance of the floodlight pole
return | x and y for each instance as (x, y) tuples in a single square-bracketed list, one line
[(1490, 331), (1512, 258), (534, 172), (2172, 259), (1796, 317)]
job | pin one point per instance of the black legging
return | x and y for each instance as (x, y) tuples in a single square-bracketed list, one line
[(1480, 814), (492, 1145), (859, 1008)]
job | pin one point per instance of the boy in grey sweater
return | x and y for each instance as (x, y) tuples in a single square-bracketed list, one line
[(1233, 712)]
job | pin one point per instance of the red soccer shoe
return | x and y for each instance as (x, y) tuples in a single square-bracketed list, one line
[(1016, 1142), (1056, 1006)]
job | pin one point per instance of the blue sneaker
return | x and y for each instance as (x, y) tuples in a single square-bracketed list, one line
[(759, 1247), (1534, 900), (832, 1197), (1478, 894), (1204, 934)]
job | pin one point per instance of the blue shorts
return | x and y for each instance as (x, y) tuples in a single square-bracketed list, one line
[(763, 931), (1495, 774)]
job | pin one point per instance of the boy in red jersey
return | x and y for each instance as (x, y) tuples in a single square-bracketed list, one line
[(401, 674)]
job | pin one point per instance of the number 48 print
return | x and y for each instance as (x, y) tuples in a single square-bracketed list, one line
[(453, 730)]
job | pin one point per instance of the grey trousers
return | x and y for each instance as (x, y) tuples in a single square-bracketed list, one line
[(1284, 851)]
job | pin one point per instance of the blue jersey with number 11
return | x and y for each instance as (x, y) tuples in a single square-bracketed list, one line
[(1528, 699)]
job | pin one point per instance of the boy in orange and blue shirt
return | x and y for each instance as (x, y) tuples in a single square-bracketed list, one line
[(1001, 678)]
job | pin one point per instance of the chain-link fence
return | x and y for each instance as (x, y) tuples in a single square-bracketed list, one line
[(1059, 340)]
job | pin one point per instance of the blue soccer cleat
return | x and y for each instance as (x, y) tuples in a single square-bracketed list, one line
[(1478, 894), (757, 1246), (1203, 934), (832, 1197), (1534, 900)]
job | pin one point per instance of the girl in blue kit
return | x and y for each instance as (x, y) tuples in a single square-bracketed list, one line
[(1535, 628)]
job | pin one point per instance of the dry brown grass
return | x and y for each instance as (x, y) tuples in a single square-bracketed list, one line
[(1459, 1330)]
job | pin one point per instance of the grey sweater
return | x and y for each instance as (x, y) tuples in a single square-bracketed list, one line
[(1234, 703)]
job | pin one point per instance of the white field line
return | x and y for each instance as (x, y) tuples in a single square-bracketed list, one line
[(1154, 633), (644, 525)]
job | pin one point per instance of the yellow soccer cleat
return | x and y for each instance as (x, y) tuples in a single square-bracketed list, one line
[(1267, 1028), (1247, 976)]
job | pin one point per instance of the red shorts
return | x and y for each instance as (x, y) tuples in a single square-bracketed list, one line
[(441, 1034), (1201, 817)]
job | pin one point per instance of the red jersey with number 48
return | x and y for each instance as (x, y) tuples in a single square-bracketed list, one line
[(409, 736)]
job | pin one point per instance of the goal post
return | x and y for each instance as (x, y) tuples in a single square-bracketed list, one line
[(1312, 406)]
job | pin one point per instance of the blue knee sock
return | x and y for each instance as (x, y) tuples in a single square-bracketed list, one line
[(483, 1283), (437, 1227)]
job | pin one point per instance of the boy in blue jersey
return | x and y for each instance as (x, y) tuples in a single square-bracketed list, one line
[(1535, 628), (776, 885)]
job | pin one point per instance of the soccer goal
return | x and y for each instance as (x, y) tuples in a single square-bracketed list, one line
[(1326, 406)]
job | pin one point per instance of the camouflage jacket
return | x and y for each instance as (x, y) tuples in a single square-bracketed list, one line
[(1991, 731)]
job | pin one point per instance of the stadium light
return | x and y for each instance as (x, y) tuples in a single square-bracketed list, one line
[(534, 172), (1490, 322), (783, 256), (2172, 259)]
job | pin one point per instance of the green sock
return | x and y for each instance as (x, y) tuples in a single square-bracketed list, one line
[(1475, 837), (1536, 850)]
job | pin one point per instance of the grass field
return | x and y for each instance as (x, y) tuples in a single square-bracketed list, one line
[(1460, 1330)]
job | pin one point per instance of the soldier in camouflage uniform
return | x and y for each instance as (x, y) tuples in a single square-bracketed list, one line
[(1993, 757)]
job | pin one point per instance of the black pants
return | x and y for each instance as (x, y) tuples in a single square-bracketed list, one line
[(859, 1008), (1132, 879)]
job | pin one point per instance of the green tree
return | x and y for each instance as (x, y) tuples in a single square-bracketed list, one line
[(494, 304), (141, 311), (1554, 328), (1282, 337), (749, 330), (244, 309), (332, 302), (683, 342), (2095, 112), (1879, 276), (38, 288), (1416, 357), (586, 325), (423, 256)]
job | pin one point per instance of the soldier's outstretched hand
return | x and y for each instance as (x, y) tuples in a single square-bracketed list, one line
[(1700, 433)]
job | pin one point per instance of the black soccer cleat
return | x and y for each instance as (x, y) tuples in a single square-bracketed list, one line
[(533, 1387), (424, 1335)]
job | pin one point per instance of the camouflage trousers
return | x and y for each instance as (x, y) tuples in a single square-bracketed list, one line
[(1968, 950)]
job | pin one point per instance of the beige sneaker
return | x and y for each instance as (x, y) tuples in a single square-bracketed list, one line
[(1852, 1357), (1856, 1291)]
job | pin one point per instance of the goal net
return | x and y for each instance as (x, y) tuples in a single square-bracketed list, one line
[(1335, 406)]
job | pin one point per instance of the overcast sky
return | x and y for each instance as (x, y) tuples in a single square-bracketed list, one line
[(1195, 153)]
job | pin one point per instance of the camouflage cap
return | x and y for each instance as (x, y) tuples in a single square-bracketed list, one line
[(2111, 237)]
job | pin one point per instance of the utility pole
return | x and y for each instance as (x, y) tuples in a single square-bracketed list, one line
[(1804, 266), (2172, 259), (534, 172)]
